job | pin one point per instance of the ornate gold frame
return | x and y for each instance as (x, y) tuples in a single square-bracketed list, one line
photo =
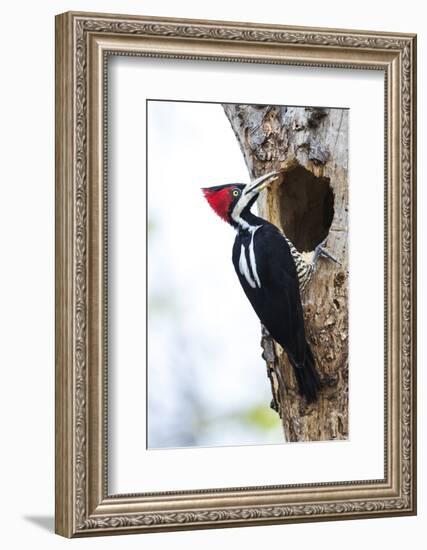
[(83, 42)]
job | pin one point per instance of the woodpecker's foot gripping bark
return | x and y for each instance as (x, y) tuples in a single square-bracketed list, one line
[(320, 250)]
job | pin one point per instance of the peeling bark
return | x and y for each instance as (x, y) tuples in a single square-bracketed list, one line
[(309, 204)]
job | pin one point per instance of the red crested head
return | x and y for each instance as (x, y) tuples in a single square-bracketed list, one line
[(232, 202), (219, 199), (222, 199)]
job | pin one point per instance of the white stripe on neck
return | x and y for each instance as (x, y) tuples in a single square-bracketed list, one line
[(242, 224), (252, 279), (252, 255), (244, 269), (238, 209)]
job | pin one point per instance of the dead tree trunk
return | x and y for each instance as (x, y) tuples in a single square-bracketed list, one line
[(309, 204)]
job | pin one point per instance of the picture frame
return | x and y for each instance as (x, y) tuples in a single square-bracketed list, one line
[(84, 506)]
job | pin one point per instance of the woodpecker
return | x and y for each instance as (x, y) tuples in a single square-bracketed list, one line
[(272, 273)]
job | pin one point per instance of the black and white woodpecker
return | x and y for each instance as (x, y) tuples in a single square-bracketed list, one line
[(272, 273)]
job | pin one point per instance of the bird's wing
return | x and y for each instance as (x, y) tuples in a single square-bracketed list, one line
[(276, 300)]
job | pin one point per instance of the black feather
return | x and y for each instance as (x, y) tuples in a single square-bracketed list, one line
[(308, 379), (277, 301)]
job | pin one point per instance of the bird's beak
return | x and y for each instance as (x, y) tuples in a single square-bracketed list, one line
[(261, 183)]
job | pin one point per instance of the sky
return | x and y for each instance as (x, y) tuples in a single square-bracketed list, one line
[(207, 382)]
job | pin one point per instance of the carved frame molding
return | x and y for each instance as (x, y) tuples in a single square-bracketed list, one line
[(83, 43)]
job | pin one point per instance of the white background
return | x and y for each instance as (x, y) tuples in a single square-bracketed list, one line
[(133, 80), (27, 207)]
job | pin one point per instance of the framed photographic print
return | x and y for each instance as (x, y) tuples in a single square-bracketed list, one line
[(235, 274)]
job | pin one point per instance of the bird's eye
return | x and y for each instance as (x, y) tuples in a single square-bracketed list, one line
[(235, 193)]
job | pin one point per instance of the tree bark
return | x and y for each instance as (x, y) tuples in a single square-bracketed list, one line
[(309, 203)]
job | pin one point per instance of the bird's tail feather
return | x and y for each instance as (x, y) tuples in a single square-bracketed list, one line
[(307, 377)]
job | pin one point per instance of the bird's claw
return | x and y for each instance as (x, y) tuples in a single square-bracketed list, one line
[(320, 250)]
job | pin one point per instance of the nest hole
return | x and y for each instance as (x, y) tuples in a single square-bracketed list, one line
[(306, 208)]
